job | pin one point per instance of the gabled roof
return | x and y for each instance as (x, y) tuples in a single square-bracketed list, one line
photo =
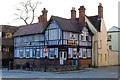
[(64, 24), (68, 24), (114, 29), (35, 28), (96, 22)]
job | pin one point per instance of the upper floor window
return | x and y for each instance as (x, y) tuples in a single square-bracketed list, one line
[(72, 36), (53, 31), (46, 34), (110, 47), (87, 38), (82, 37), (53, 34), (8, 35), (36, 37), (85, 35), (109, 38), (5, 49)]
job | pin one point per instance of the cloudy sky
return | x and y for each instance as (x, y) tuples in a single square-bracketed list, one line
[(61, 8)]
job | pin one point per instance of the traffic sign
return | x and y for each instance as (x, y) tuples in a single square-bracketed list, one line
[(45, 50)]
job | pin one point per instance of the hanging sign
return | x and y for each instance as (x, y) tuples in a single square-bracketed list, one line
[(72, 41)]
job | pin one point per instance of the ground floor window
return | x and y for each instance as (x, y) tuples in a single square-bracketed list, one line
[(72, 53), (31, 51), (89, 53), (41, 52), (16, 53), (38, 53), (28, 52), (83, 53), (53, 53), (20, 53), (56, 52), (34, 53)]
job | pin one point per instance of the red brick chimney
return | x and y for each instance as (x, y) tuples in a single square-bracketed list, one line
[(73, 13), (100, 11), (40, 19), (81, 14), (43, 18)]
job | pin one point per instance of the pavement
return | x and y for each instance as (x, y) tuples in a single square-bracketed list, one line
[(102, 72)]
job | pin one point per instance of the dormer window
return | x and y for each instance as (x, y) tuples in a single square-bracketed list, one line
[(87, 38), (82, 37), (72, 36)]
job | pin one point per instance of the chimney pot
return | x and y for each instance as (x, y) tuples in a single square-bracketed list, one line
[(100, 11), (73, 13), (82, 14), (44, 10), (43, 18)]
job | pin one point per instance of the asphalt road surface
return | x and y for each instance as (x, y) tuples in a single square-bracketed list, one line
[(102, 72)]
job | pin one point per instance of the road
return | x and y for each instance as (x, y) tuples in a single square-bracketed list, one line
[(102, 72)]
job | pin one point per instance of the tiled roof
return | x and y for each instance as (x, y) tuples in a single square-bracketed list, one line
[(64, 24), (95, 21), (114, 29), (29, 29), (68, 24)]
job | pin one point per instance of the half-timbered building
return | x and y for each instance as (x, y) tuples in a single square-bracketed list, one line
[(68, 40), (61, 41)]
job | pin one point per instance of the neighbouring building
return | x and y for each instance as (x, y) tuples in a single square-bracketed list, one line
[(99, 40), (113, 45), (77, 41), (7, 44), (112, 38)]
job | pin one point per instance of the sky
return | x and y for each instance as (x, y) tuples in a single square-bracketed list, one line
[(62, 8)]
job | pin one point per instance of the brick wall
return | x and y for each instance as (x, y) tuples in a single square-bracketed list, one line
[(38, 62), (85, 62)]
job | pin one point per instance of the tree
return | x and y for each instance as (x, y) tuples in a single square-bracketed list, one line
[(26, 11)]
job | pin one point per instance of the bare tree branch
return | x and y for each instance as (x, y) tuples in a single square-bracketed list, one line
[(27, 11)]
